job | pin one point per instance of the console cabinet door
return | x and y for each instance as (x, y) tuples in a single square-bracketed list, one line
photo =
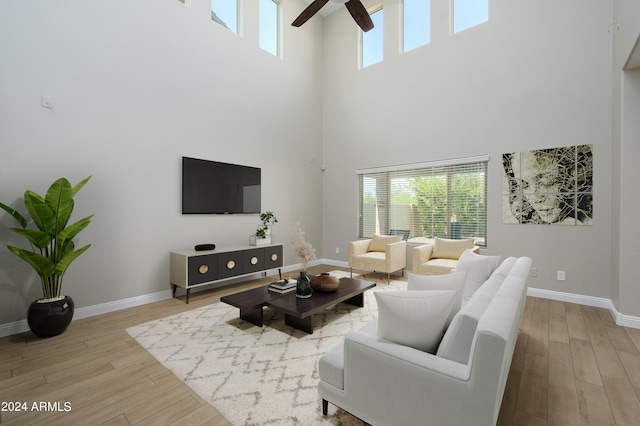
[(229, 264), (202, 269), (252, 260), (273, 257)]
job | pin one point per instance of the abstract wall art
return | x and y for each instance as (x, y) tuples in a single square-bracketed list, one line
[(548, 186)]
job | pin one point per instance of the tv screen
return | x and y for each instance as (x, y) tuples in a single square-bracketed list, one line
[(211, 187)]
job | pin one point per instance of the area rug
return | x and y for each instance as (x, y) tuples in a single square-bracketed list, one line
[(257, 375)]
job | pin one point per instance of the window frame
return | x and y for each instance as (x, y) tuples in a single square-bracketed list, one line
[(384, 218)]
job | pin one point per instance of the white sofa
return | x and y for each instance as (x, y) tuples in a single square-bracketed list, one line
[(384, 383)]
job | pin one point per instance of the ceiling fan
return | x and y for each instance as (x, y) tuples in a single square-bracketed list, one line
[(355, 8)]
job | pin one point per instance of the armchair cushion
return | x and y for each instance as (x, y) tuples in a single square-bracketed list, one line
[(478, 268), (414, 318), (450, 249), (454, 281), (379, 242)]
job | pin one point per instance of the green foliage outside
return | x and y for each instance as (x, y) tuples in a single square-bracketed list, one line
[(433, 208)]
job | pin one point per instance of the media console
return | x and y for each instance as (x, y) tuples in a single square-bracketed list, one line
[(192, 268)]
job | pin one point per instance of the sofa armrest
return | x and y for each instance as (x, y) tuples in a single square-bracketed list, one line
[(387, 383), (420, 255), (396, 256), (358, 247)]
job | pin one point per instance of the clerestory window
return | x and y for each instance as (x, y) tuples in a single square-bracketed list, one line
[(469, 13), (372, 41), (445, 199), (225, 13), (416, 17), (270, 26)]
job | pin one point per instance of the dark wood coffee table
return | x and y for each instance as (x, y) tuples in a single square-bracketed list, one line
[(298, 312)]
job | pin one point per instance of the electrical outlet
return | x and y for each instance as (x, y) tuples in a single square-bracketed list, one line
[(337, 250), (534, 272), (561, 276)]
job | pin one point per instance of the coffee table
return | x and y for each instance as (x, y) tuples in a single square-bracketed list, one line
[(298, 313)]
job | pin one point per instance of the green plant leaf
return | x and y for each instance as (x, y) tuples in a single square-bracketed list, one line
[(15, 214), (43, 266), (71, 231), (40, 212), (79, 186), (60, 199), (66, 260), (36, 237)]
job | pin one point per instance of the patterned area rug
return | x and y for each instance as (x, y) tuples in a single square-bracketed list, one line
[(257, 375)]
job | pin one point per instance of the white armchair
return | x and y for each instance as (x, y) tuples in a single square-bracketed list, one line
[(382, 253), (441, 256)]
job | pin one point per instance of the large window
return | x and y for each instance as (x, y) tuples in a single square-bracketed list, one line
[(416, 23), (468, 13), (372, 40), (225, 12), (269, 26), (440, 199)]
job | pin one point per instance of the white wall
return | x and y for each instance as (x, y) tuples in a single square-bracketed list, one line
[(137, 85), (626, 151), (537, 75)]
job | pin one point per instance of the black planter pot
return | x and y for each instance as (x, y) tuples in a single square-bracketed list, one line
[(50, 318)]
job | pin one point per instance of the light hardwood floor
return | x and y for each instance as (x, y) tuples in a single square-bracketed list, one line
[(572, 366)]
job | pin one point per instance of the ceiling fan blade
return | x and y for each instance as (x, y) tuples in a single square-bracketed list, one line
[(311, 10), (360, 14)]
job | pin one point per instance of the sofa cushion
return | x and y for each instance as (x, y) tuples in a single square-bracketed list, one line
[(478, 268), (379, 242), (414, 318), (331, 366), (456, 343), (437, 266), (455, 281), (444, 248)]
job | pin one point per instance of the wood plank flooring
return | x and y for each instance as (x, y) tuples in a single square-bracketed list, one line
[(572, 366)]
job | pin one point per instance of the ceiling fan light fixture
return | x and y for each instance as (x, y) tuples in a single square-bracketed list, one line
[(355, 8)]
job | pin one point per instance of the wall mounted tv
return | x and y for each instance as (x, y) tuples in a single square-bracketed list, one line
[(211, 187)]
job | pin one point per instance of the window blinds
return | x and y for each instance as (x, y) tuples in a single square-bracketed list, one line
[(444, 199)]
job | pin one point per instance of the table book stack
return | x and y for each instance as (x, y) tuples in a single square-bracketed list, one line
[(283, 286)]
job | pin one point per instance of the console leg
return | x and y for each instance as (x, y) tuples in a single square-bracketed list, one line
[(325, 407), (173, 290), (188, 291)]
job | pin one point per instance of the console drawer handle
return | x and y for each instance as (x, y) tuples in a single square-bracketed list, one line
[(203, 269), (254, 260), (274, 257), (231, 264)]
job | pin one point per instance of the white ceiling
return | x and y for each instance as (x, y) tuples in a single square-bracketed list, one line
[(328, 8)]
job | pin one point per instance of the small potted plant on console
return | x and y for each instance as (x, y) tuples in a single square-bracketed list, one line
[(263, 233), (52, 251)]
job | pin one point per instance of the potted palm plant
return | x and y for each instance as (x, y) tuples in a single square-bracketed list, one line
[(52, 251)]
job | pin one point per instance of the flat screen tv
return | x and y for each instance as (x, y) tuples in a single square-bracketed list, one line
[(211, 187)]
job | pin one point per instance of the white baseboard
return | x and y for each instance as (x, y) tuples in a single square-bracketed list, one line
[(90, 311), (598, 302)]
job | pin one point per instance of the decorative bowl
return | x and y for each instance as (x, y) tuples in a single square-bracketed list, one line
[(325, 283)]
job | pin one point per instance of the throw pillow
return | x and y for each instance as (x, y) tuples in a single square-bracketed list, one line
[(379, 242), (478, 268), (414, 318), (455, 281), (450, 249)]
